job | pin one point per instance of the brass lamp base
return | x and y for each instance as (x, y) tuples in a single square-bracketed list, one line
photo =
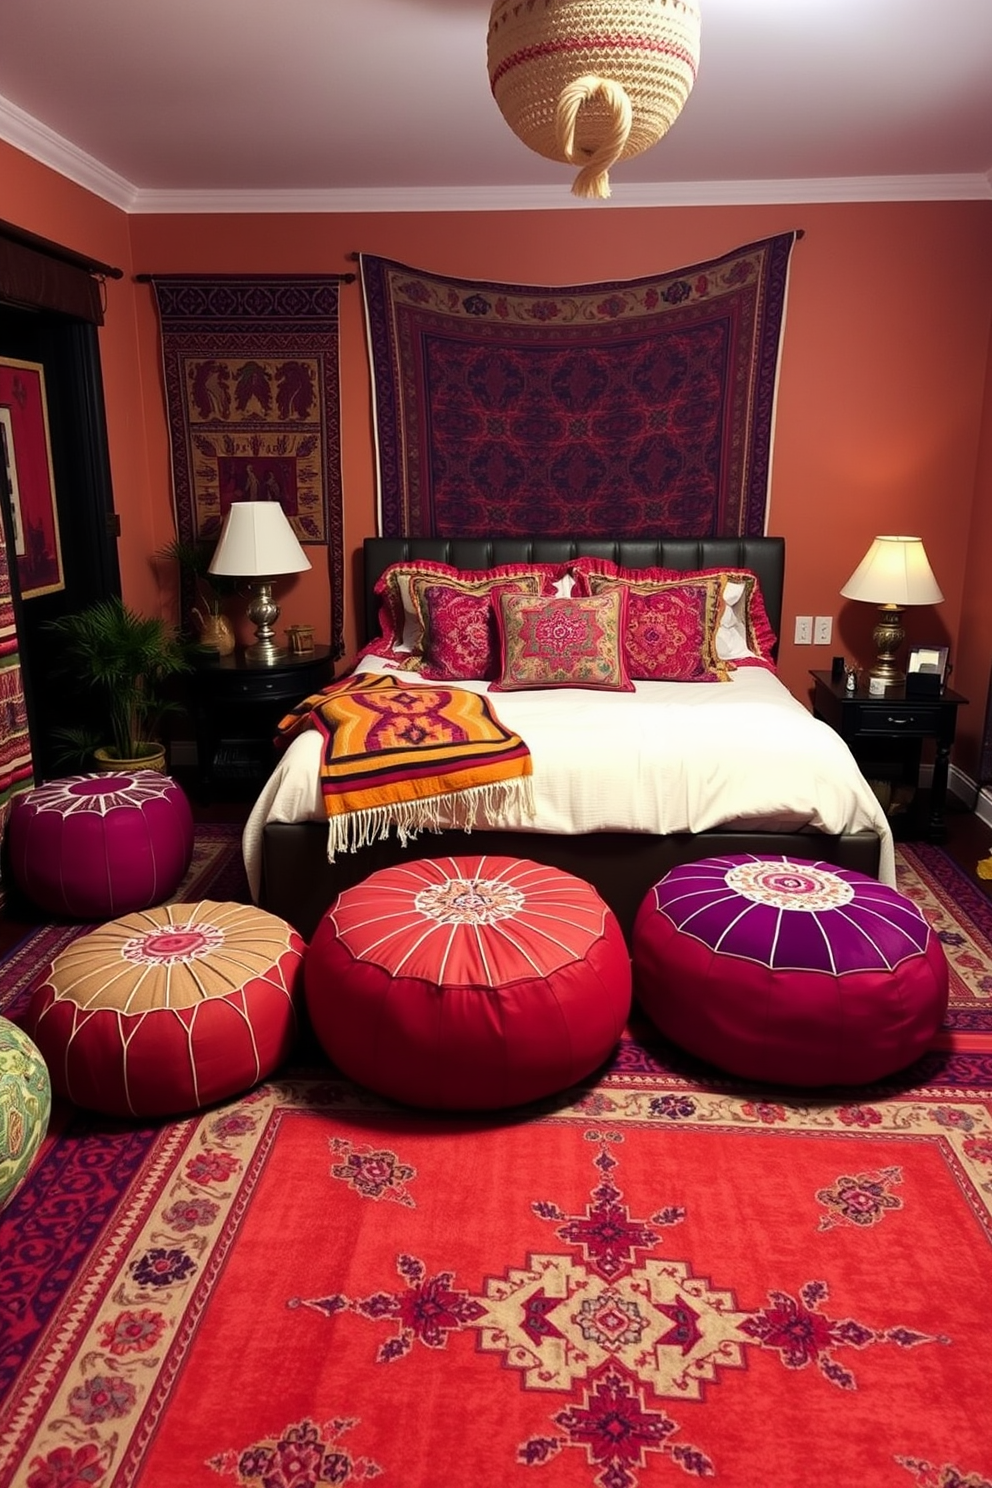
[(888, 636)]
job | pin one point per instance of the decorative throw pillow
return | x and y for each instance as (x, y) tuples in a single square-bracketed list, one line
[(670, 635), (460, 634), (744, 632), (400, 621), (559, 642)]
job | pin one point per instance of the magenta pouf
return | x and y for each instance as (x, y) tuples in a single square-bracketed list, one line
[(468, 983), (90, 847), (789, 971)]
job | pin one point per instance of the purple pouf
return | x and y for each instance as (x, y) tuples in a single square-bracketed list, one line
[(789, 971), (92, 847)]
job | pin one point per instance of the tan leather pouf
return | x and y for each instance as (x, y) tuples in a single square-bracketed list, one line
[(169, 1009)]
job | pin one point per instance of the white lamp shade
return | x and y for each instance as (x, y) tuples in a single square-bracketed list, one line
[(257, 541), (895, 571)]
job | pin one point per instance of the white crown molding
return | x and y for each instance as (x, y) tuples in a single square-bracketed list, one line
[(42, 143), (547, 198), (51, 149)]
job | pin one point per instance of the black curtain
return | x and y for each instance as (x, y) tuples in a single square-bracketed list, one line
[(50, 309)]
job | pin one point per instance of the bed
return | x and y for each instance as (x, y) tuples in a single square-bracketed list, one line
[(815, 802)]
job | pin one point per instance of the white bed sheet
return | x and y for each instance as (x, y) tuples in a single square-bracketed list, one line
[(668, 757)]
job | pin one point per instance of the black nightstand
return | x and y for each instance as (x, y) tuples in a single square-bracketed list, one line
[(893, 726), (237, 706)]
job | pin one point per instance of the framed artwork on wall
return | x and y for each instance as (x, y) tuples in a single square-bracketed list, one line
[(8, 468), (25, 447)]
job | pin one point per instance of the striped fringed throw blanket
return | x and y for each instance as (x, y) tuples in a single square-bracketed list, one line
[(411, 757)]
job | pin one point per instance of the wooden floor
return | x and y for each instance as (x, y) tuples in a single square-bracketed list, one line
[(968, 841)]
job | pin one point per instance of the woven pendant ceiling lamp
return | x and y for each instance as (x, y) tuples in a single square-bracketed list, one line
[(591, 82)]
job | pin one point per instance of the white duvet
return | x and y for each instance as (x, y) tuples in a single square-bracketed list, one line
[(668, 757)]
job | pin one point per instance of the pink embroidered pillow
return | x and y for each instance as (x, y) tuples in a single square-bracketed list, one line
[(670, 635), (460, 634), (558, 642), (744, 632), (401, 623)]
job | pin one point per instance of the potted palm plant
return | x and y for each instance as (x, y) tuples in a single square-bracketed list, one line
[(126, 658)]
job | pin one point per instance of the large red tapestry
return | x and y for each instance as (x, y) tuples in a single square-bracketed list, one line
[(637, 406), (251, 382)]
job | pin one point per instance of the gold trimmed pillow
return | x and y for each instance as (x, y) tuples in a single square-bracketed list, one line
[(401, 624), (562, 642), (671, 629), (458, 620)]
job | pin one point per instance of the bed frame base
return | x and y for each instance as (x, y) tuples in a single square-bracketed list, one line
[(299, 884)]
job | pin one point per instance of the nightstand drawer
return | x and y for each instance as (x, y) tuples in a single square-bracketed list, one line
[(256, 687), (896, 718)]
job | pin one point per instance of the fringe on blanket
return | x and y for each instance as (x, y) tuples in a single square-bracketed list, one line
[(477, 806)]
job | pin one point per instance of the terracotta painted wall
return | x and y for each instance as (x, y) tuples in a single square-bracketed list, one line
[(884, 420)]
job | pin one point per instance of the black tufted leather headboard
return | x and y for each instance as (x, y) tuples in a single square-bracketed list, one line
[(765, 556)]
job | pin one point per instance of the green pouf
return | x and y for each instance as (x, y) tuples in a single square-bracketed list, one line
[(25, 1106)]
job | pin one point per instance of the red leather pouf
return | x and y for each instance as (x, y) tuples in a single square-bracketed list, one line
[(789, 971), (169, 1009), (91, 846), (468, 983)]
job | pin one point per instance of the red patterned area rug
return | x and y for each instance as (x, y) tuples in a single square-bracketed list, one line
[(664, 1274), (962, 916), (654, 1279)]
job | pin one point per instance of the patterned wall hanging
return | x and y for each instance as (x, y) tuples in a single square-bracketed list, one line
[(251, 381), (636, 407)]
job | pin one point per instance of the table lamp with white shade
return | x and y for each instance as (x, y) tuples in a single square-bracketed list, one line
[(894, 573), (257, 543)]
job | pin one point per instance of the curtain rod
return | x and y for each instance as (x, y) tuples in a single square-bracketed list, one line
[(150, 278), (55, 250), (800, 233)]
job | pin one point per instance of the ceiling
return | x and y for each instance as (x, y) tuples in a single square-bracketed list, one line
[(379, 104)]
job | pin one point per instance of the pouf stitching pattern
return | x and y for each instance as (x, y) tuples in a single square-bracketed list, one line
[(157, 837), (199, 931), (858, 991), (575, 894), (476, 1009), (892, 911)]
